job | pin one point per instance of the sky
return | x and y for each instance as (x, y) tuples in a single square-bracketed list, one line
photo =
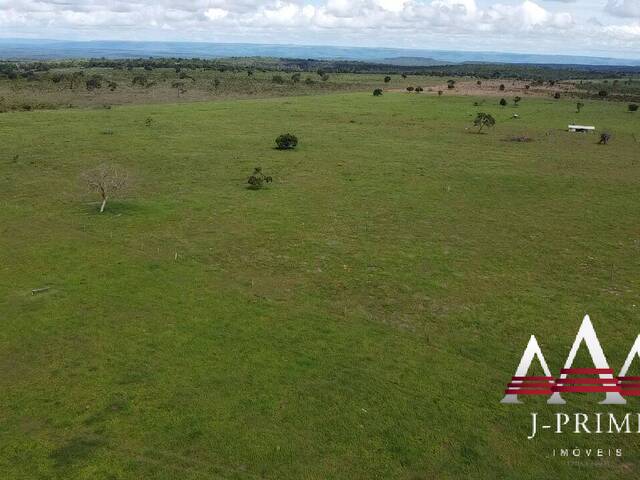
[(577, 27)]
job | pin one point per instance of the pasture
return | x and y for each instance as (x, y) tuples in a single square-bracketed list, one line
[(359, 318)]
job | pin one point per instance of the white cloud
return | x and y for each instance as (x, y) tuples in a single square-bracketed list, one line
[(522, 25), (624, 8)]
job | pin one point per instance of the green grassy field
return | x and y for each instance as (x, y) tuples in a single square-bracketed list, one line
[(358, 319)]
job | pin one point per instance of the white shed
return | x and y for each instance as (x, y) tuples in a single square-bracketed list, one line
[(581, 128)]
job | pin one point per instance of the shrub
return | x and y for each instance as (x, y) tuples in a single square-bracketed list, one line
[(295, 78), (309, 81), (503, 102), (377, 92), (604, 138), (516, 100), (501, 87), (440, 92), (419, 89), (410, 89), (579, 106), (387, 79), (556, 95), (94, 82), (633, 107), (277, 79), (603, 93), (140, 80), (325, 77), (286, 141), (258, 179)]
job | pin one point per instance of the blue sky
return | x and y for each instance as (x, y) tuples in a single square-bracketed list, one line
[(581, 27)]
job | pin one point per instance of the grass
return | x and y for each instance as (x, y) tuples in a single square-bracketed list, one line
[(357, 319)]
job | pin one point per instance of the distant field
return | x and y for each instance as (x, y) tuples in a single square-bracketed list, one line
[(357, 319)]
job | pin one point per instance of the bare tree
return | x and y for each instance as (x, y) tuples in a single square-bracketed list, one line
[(106, 180)]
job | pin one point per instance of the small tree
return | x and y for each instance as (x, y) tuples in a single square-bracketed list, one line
[(633, 107), (404, 75), (325, 77), (286, 141), (603, 93), (579, 106), (604, 138), (106, 180), (419, 89), (440, 92), (516, 100), (484, 120), (501, 87), (451, 84), (377, 92), (258, 179), (556, 95), (479, 83), (503, 102), (387, 79), (277, 79), (295, 78), (410, 89)]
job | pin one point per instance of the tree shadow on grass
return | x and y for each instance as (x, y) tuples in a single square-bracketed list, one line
[(114, 208)]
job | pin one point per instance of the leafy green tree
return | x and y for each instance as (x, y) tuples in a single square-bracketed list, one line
[(484, 120)]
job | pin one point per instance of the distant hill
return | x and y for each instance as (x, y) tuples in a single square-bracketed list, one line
[(15, 49)]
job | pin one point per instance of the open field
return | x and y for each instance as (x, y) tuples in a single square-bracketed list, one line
[(357, 319)]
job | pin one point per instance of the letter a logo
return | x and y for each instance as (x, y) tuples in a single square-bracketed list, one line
[(521, 384), (604, 383)]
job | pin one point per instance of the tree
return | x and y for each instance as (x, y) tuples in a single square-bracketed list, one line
[(579, 106), (387, 79), (451, 84), (377, 92), (516, 100), (286, 141), (484, 120), (404, 75), (501, 87), (479, 83), (419, 89), (295, 78), (325, 77), (556, 95), (277, 79), (410, 89), (106, 180), (503, 102), (633, 107)]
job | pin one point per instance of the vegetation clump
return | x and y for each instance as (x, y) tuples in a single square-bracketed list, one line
[(377, 92), (604, 138), (286, 141), (258, 179), (633, 107)]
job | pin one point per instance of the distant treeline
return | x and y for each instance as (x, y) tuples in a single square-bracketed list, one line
[(530, 72)]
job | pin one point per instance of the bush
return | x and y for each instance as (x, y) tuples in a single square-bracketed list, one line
[(501, 87), (556, 95), (419, 89), (387, 79), (277, 79), (258, 179), (410, 89), (503, 102), (633, 107), (94, 82), (377, 92), (324, 77), (286, 141), (603, 93)]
